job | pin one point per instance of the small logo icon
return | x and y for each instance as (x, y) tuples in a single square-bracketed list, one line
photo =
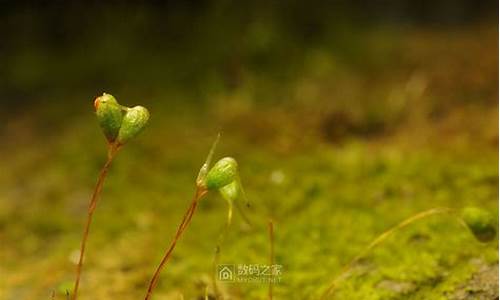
[(225, 272)]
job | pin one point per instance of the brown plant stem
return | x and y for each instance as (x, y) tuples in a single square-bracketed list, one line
[(271, 256), (384, 236), (200, 193), (112, 150)]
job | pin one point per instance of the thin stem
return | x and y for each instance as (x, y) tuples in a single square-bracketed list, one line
[(200, 193), (220, 240), (271, 256), (247, 203), (112, 150), (381, 238), (243, 215)]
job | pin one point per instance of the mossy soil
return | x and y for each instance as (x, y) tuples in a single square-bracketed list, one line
[(329, 185)]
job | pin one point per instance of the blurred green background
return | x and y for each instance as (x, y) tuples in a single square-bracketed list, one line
[(345, 117)]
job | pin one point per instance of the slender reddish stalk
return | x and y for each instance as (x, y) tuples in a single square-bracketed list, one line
[(92, 205), (200, 192), (271, 257)]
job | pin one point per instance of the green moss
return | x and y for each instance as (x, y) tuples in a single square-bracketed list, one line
[(329, 200)]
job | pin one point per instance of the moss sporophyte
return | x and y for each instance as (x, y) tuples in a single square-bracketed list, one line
[(222, 177), (119, 124)]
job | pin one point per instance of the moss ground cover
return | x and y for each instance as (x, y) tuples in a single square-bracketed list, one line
[(330, 185)]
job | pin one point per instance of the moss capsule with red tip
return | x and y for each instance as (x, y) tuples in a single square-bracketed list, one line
[(110, 116)]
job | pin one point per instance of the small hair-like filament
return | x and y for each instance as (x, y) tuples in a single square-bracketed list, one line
[(220, 240), (384, 236)]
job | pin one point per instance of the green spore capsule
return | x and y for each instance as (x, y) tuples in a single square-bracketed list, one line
[(134, 121), (231, 191), (480, 222), (110, 115), (223, 173)]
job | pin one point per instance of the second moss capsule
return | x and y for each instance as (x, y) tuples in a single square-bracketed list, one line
[(134, 121)]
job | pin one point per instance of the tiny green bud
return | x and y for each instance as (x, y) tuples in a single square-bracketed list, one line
[(223, 173), (109, 114), (480, 222), (134, 121), (231, 191)]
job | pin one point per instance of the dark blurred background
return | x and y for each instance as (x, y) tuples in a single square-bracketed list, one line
[(323, 53), (189, 53), (59, 48)]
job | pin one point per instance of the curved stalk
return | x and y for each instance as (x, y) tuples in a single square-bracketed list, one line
[(384, 236), (112, 150), (200, 193), (220, 240), (246, 202)]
